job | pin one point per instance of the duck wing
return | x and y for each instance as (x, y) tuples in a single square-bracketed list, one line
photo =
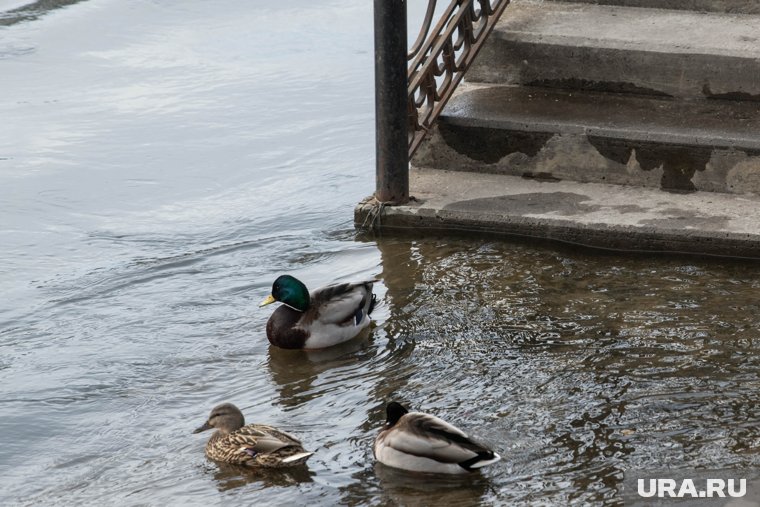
[(342, 303), (428, 436), (261, 438)]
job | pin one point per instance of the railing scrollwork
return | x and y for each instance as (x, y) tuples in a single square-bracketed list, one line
[(413, 85), (439, 64)]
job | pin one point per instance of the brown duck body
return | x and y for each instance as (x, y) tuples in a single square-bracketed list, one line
[(335, 314), (257, 445)]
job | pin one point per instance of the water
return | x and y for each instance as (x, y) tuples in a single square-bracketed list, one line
[(162, 161)]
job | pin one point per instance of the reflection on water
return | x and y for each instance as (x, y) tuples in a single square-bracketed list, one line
[(582, 366), (143, 221), (228, 476), (576, 367), (295, 372), (400, 487)]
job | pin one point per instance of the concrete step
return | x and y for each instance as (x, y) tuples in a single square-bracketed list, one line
[(738, 6), (591, 214), (624, 49), (711, 145)]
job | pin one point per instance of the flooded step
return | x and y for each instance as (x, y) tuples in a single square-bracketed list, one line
[(624, 49), (592, 214), (740, 6), (710, 145)]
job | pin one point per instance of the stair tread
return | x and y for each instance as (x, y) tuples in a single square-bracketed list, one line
[(593, 214), (746, 6), (713, 123), (631, 28)]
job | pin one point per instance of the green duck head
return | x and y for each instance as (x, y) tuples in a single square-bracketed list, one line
[(290, 291)]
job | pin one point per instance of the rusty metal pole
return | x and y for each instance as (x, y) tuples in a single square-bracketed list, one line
[(391, 114)]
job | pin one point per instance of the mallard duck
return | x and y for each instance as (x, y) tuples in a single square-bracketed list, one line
[(424, 443), (323, 318), (255, 445)]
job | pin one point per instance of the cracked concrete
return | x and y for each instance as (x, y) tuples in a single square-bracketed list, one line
[(675, 145)]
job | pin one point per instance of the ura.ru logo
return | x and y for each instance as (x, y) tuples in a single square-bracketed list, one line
[(687, 488)]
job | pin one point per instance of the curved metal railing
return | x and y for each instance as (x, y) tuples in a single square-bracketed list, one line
[(439, 59)]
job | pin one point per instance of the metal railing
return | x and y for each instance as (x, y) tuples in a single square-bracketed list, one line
[(412, 88), (436, 71)]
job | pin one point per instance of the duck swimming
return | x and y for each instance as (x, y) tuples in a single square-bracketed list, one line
[(424, 443), (254, 445), (322, 318)]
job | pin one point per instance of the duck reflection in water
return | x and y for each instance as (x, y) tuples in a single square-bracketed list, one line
[(295, 371), (417, 489), (229, 476)]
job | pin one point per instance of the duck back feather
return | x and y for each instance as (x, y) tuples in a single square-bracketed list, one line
[(424, 443)]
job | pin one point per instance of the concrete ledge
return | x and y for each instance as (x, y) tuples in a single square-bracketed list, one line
[(590, 214)]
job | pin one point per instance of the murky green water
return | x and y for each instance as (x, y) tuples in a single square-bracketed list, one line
[(158, 172)]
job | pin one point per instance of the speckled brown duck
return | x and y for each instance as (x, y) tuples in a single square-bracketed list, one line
[(254, 445), (322, 318)]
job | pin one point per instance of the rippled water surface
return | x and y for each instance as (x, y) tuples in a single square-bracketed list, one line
[(162, 161)]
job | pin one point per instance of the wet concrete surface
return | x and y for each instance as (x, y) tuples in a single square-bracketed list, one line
[(590, 214)]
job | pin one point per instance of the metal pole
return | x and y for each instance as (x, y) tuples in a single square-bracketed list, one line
[(391, 114)]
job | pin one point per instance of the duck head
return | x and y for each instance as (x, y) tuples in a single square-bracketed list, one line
[(290, 291), (394, 412), (225, 418)]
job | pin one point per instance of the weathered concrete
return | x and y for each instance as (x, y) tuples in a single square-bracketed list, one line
[(740, 6), (590, 214), (599, 137), (624, 49), (621, 127)]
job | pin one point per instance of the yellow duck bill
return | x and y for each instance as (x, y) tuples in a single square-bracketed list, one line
[(268, 301)]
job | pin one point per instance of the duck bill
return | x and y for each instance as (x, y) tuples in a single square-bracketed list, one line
[(268, 301), (206, 426)]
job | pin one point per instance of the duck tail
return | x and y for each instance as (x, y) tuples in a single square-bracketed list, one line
[(301, 456), (366, 307), (481, 460), (372, 303)]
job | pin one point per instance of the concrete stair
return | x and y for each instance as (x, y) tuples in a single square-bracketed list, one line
[(666, 53), (624, 94), (606, 123)]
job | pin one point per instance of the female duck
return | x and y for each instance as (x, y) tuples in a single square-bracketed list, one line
[(323, 318), (424, 443), (255, 445)]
